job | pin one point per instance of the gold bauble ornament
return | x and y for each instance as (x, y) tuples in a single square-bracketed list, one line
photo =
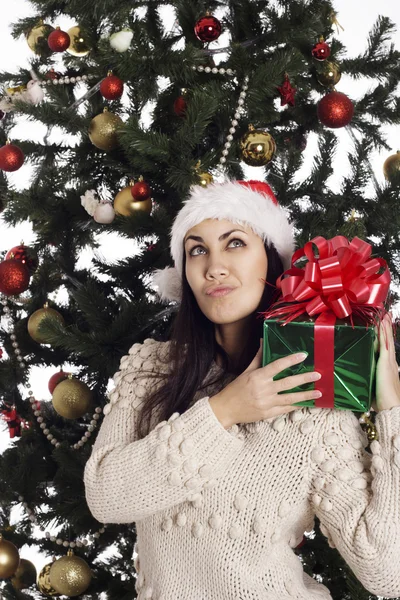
[(78, 46), (257, 146), (70, 575), (37, 38), (205, 179), (102, 130), (391, 166), (25, 575), (330, 75), (9, 558), (72, 398), (37, 317), (126, 205), (43, 582)]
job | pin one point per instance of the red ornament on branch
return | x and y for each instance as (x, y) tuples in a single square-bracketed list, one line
[(11, 157), (208, 28), (321, 50), (141, 190), (24, 255), (56, 379), (52, 74), (58, 41), (112, 87), (14, 277), (287, 92), (180, 106), (335, 110), (14, 421)]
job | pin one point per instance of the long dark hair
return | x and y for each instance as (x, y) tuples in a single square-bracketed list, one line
[(193, 331)]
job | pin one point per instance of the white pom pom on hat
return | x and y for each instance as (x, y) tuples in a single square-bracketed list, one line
[(246, 203)]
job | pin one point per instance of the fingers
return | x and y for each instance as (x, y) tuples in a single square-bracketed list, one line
[(287, 383), (386, 338), (283, 363), (298, 397)]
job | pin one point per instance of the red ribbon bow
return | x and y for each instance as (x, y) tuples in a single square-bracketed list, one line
[(342, 279)]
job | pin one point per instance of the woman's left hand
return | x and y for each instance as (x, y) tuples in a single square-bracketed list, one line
[(387, 370)]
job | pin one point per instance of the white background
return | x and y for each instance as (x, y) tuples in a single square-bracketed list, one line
[(357, 19)]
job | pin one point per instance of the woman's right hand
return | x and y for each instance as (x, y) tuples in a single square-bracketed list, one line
[(254, 395)]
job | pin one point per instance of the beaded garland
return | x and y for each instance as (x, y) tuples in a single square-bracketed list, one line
[(36, 411)]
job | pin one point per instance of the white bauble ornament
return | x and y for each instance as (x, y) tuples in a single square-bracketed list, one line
[(90, 201), (104, 213), (34, 93), (121, 40)]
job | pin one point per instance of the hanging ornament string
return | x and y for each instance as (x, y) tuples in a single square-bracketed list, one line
[(58, 540), (34, 403)]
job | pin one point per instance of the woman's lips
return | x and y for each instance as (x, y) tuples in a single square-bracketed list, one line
[(223, 292)]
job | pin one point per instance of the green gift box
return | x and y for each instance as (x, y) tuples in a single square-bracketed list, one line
[(354, 360)]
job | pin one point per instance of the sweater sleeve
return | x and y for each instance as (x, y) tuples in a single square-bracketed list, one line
[(127, 479), (356, 495)]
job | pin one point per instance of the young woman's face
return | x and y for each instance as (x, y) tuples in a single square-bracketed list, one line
[(238, 260)]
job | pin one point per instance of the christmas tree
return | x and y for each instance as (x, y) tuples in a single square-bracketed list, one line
[(146, 112)]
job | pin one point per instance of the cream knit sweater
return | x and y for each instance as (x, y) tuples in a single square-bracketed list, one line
[(218, 512)]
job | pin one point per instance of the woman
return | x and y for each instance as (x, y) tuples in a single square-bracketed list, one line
[(227, 475)]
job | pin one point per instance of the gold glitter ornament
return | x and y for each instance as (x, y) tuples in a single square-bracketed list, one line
[(37, 317), (25, 575), (72, 398), (258, 147), (330, 75), (70, 575), (78, 46), (369, 428), (103, 130), (37, 38), (126, 205), (391, 166), (9, 558)]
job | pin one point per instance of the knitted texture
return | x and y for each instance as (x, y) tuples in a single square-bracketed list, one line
[(218, 512)]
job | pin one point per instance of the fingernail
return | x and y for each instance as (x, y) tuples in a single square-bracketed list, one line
[(301, 356)]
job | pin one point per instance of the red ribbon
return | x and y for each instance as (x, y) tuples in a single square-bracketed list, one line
[(339, 281)]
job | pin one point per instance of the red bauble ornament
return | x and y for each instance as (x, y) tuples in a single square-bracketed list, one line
[(207, 29), (11, 158), (52, 74), (321, 51), (56, 379), (180, 106), (335, 110), (14, 277), (24, 255), (112, 87), (287, 92), (140, 191), (58, 41)]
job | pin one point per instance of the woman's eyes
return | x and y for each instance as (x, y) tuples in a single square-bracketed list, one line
[(234, 240)]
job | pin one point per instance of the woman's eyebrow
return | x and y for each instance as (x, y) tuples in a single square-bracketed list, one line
[(197, 238)]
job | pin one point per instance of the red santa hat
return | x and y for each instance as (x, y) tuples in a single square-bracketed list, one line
[(246, 203)]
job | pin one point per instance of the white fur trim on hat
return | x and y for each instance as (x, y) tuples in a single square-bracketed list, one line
[(169, 284), (237, 203)]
